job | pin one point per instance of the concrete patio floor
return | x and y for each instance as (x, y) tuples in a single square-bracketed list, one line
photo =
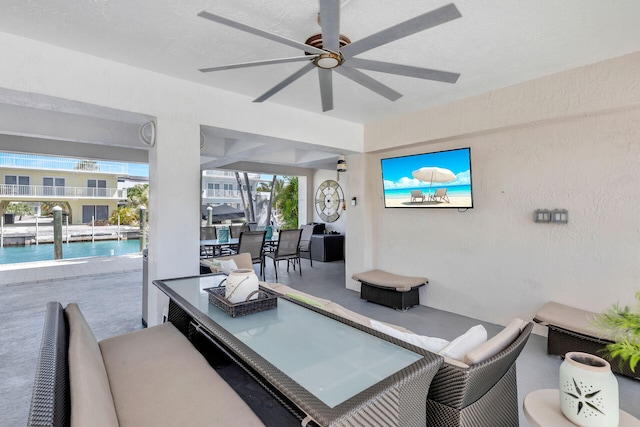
[(109, 292)]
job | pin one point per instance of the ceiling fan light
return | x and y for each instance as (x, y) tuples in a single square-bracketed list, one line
[(327, 62)]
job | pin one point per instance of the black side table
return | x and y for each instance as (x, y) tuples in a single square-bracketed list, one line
[(327, 247)]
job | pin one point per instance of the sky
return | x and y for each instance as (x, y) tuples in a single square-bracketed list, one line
[(138, 169), (397, 171)]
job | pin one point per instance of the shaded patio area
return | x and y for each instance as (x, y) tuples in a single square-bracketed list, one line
[(111, 302)]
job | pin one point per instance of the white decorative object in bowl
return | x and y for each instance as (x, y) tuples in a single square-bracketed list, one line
[(588, 391), (240, 283)]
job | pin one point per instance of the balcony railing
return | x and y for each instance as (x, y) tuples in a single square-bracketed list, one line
[(220, 194), (228, 174), (44, 191), (25, 161)]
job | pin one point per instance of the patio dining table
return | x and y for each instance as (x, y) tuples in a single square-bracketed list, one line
[(326, 370), (215, 246)]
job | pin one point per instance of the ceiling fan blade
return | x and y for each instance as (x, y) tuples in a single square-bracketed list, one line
[(258, 32), (286, 82), (326, 88), (330, 23), (368, 82), (257, 63), (404, 29), (403, 70)]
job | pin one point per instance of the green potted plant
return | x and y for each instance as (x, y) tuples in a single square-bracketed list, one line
[(624, 324)]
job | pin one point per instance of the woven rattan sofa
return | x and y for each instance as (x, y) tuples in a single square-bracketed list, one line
[(151, 377), (482, 393)]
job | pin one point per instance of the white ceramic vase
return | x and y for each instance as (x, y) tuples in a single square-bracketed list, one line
[(588, 391), (240, 283)]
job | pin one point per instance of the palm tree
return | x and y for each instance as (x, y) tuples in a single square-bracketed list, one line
[(286, 201), (20, 209), (138, 195), (252, 210), (264, 187), (241, 190)]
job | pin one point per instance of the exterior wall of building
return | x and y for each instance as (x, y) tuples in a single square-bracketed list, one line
[(83, 191), (221, 187), (568, 141)]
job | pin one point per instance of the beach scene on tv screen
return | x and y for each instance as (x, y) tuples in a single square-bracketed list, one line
[(436, 180)]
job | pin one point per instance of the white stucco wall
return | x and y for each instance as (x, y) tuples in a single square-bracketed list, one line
[(180, 107), (322, 175), (31, 66), (493, 262)]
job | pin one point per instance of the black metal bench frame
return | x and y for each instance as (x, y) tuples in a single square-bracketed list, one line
[(390, 297)]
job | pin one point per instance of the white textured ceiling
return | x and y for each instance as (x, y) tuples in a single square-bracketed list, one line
[(496, 43)]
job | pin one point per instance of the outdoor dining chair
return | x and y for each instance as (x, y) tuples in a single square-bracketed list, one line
[(236, 230), (288, 249), (207, 233), (253, 243), (305, 240)]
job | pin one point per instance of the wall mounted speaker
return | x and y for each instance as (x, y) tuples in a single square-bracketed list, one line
[(147, 133)]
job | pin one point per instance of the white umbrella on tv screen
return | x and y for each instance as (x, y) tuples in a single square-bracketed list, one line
[(433, 174)]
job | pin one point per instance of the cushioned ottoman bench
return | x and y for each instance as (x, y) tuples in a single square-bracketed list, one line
[(571, 329), (152, 377), (391, 290)]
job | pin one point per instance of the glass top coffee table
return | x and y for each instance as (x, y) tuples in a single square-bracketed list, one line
[(330, 368)]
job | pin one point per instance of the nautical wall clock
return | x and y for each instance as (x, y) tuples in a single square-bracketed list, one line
[(329, 200)]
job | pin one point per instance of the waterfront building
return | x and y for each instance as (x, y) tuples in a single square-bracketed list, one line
[(221, 187), (85, 188)]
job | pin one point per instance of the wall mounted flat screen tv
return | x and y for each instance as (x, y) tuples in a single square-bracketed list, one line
[(431, 180)]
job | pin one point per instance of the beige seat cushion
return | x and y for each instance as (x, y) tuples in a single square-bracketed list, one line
[(91, 402), (389, 280), (159, 379), (496, 344), (243, 261), (571, 319), (272, 286), (340, 311), (286, 290)]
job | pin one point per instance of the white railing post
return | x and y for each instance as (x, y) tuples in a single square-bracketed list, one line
[(2, 231), (118, 228), (93, 228), (67, 227), (37, 230)]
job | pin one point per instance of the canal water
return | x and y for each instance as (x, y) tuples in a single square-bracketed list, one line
[(44, 252)]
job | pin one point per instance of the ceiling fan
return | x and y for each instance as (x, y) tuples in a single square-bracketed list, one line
[(332, 51)]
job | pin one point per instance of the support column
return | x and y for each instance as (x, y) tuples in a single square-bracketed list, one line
[(360, 237), (174, 208), (305, 202)]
